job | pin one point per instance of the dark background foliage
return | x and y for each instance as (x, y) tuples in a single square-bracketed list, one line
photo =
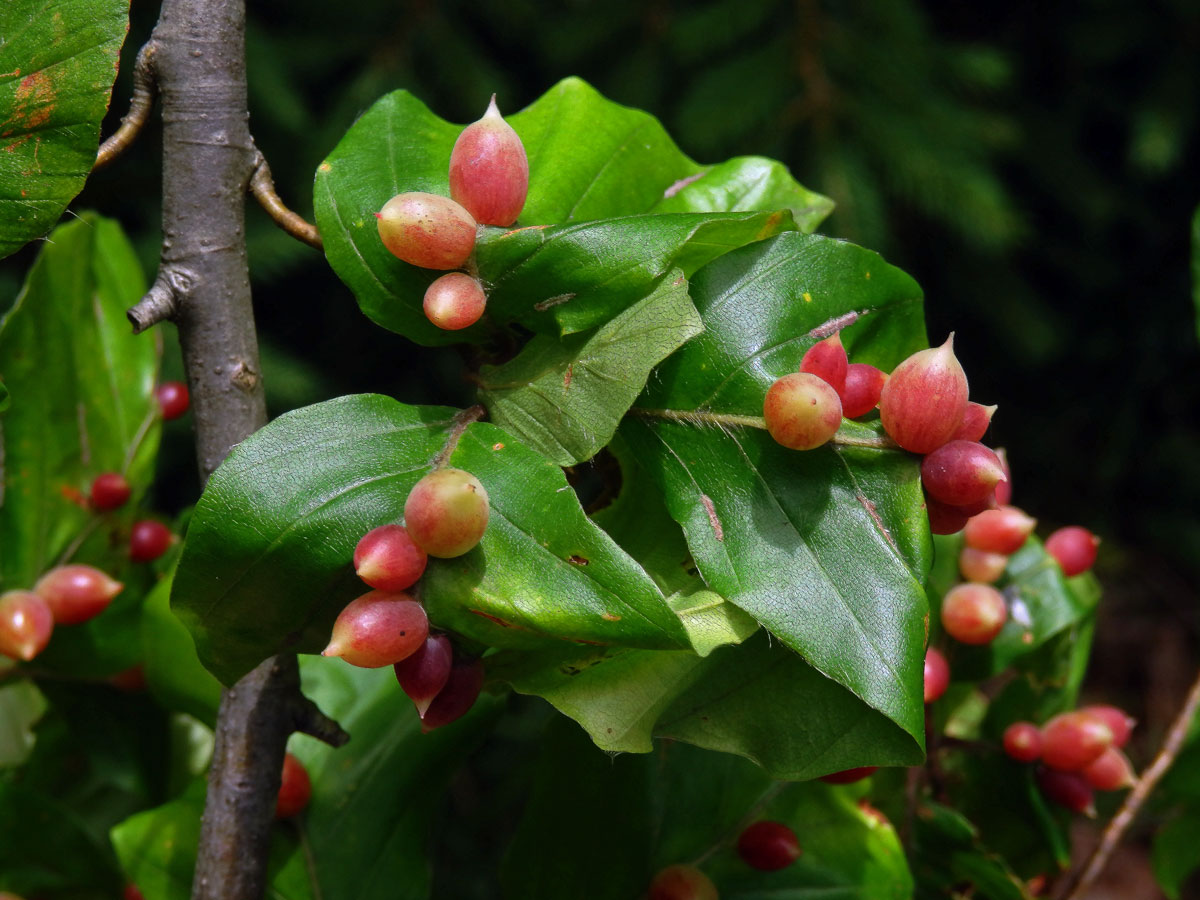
[(1032, 165)]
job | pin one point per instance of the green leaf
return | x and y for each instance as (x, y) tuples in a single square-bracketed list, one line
[(566, 398), (375, 801), (684, 804), (21, 705), (48, 851), (757, 700), (83, 392), (58, 61), (174, 673), (949, 853), (157, 848), (590, 159), (1043, 604), (638, 520), (1176, 853), (570, 278), (827, 548), (355, 845), (746, 183), (5, 399), (266, 567)]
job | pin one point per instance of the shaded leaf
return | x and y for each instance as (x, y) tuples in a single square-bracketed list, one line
[(566, 398), (48, 850), (684, 804), (174, 673), (949, 855), (83, 392), (357, 846), (1176, 853), (757, 700), (21, 705), (375, 801), (58, 61)]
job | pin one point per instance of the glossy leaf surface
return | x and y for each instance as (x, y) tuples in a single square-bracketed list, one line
[(590, 159), (826, 548), (267, 562)]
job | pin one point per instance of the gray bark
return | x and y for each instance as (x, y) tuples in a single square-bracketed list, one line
[(203, 285)]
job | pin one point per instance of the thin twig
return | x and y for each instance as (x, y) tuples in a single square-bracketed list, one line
[(262, 186), (139, 109), (462, 421), (1076, 884)]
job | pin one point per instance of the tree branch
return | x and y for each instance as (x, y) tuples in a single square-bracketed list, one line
[(1075, 886), (139, 109), (262, 186), (203, 285)]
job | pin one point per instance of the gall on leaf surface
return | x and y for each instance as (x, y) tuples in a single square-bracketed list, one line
[(590, 159), (826, 548), (267, 564), (1043, 605), (59, 61)]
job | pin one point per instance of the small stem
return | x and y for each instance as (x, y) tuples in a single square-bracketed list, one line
[(698, 417), (139, 109), (1074, 886), (307, 718), (726, 420), (462, 421), (162, 302), (144, 429), (262, 186), (84, 533), (744, 822)]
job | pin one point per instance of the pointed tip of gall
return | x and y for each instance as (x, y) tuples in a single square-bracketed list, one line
[(493, 109), (332, 650)]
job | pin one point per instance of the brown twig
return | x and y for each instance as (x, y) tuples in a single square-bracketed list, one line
[(1076, 883), (139, 109), (462, 421), (262, 186)]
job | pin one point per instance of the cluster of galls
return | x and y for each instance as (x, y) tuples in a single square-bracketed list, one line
[(445, 515), (73, 594), (767, 846), (923, 406), (489, 179), (1079, 752), (66, 595)]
